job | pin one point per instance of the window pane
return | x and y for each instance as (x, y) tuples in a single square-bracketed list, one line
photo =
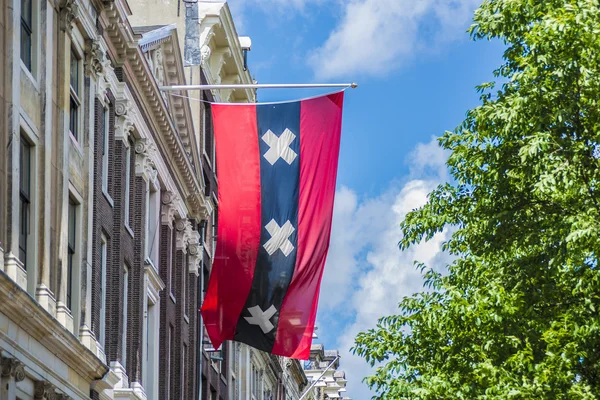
[(25, 168), (24, 197), (74, 72), (72, 223), (69, 279), (26, 46), (26, 13), (73, 117)]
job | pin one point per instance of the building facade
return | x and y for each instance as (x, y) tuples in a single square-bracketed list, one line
[(102, 204), (108, 203)]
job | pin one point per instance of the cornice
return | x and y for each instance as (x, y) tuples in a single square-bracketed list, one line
[(125, 51), (34, 319)]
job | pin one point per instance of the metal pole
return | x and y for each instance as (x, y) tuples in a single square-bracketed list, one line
[(320, 376), (259, 86)]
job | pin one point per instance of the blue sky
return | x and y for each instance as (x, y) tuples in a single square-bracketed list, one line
[(416, 68)]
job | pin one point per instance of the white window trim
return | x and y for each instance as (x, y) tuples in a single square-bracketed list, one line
[(79, 96), (33, 75), (105, 145), (127, 184), (103, 266), (125, 313), (26, 130), (76, 273), (152, 243)]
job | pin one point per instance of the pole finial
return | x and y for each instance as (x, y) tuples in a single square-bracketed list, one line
[(354, 85)]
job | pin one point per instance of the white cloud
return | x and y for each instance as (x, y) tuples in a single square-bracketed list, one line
[(366, 274), (375, 36)]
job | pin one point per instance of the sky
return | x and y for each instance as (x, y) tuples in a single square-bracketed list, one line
[(416, 68)]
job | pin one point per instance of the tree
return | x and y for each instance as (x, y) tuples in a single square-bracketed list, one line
[(516, 316)]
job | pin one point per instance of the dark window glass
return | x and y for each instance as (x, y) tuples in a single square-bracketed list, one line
[(25, 198), (73, 116), (26, 31), (75, 102), (71, 253), (74, 72)]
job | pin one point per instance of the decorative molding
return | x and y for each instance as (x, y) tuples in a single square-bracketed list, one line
[(11, 367), (155, 283), (44, 390), (30, 316), (194, 252), (145, 165), (124, 121), (168, 209), (183, 226), (69, 12), (96, 61)]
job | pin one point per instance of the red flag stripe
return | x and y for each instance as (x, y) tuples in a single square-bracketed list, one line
[(239, 227), (320, 127)]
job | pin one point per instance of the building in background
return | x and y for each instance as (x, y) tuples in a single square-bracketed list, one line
[(332, 383)]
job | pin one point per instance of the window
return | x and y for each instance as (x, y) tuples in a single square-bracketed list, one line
[(71, 250), (27, 32), (184, 290), (183, 372), (127, 182), (125, 313), (105, 138), (151, 348), (153, 227), (103, 258), (75, 83), (255, 382), (207, 134), (24, 198), (170, 264), (169, 350)]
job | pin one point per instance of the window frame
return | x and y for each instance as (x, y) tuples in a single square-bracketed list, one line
[(27, 27), (105, 148), (75, 95), (72, 243), (103, 270), (125, 315), (128, 181), (25, 200)]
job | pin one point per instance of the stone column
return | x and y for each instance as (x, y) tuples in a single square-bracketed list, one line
[(40, 286), (68, 13), (11, 372)]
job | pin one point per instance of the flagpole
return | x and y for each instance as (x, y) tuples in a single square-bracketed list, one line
[(259, 86), (320, 376)]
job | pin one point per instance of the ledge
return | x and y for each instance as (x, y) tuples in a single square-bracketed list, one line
[(36, 321)]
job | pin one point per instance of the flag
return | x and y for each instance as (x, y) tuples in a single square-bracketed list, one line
[(277, 166)]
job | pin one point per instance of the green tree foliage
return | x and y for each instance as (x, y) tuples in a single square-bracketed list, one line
[(517, 314)]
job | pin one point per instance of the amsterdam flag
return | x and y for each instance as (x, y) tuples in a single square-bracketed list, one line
[(277, 168)]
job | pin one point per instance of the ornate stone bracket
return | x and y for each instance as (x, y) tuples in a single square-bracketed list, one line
[(168, 208), (96, 62), (195, 252), (69, 12), (183, 227), (45, 391), (11, 367), (124, 123), (146, 153)]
